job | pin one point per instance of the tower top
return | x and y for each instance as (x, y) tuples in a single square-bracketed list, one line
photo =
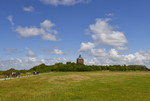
[(80, 56)]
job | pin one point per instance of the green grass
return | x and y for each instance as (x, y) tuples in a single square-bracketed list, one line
[(78, 86)]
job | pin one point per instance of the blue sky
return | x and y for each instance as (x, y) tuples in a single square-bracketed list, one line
[(105, 32)]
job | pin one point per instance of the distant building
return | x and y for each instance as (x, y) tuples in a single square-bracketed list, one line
[(80, 60)]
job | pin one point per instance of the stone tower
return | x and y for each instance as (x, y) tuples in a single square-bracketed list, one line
[(80, 60)]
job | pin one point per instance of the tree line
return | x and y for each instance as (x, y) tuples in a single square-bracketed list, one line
[(74, 67), (13, 70)]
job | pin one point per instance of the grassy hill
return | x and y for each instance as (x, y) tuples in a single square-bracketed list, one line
[(78, 86)]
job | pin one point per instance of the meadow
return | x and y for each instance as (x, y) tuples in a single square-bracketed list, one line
[(78, 86)]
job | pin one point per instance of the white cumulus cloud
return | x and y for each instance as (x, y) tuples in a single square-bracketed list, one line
[(10, 19), (29, 31), (122, 48), (55, 51), (109, 14), (30, 53), (28, 9), (47, 24), (49, 37), (58, 52), (98, 52), (104, 34), (45, 31), (28, 62), (64, 2), (86, 46), (114, 57)]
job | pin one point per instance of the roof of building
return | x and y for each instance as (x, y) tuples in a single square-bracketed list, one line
[(80, 57)]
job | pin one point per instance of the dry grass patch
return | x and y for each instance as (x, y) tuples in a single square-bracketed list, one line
[(120, 73), (68, 78)]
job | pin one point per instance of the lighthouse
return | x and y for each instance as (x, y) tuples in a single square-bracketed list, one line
[(80, 60)]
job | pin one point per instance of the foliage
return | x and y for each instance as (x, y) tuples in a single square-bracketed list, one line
[(1, 72), (13, 70), (41, 68), (73, 67)]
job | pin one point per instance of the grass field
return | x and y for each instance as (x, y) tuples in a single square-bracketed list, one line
[(78, 86)]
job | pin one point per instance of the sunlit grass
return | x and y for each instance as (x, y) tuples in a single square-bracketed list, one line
[(78, 86)]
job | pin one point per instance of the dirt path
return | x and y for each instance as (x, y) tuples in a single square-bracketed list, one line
[(22, 76)]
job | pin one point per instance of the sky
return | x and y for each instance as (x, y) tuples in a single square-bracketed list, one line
[(104, 32)]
